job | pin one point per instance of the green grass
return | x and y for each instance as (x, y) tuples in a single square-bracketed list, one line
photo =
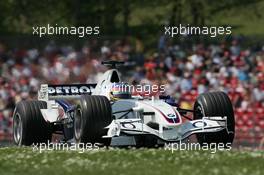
[(129, 161)]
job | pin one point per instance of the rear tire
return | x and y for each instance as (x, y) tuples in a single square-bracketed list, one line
[(215, 104), (92, 115), (29, 126)]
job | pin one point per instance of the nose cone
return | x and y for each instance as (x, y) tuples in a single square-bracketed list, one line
[(165, 114)]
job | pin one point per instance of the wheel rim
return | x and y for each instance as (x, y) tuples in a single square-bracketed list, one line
[(17, 128), (78, 124)]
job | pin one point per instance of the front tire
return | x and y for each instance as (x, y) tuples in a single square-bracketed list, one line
[(29, 127), (92, 115), (215, 104)]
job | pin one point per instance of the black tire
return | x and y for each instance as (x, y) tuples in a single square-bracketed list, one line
[(215, 104), (29, 126), (92, 115)]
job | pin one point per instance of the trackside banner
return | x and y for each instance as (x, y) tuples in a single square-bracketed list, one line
[(70, 89)]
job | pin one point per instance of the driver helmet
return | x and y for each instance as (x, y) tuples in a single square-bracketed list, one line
[(120, 91)]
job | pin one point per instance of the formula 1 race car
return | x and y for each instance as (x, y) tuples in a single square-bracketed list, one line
[(106, 113)]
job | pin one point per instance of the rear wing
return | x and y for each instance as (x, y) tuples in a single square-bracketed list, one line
[(51, 92)]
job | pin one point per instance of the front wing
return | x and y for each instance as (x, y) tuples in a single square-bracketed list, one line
[(119, 127)]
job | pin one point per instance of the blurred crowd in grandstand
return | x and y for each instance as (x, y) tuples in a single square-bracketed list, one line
[(186, 72)]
